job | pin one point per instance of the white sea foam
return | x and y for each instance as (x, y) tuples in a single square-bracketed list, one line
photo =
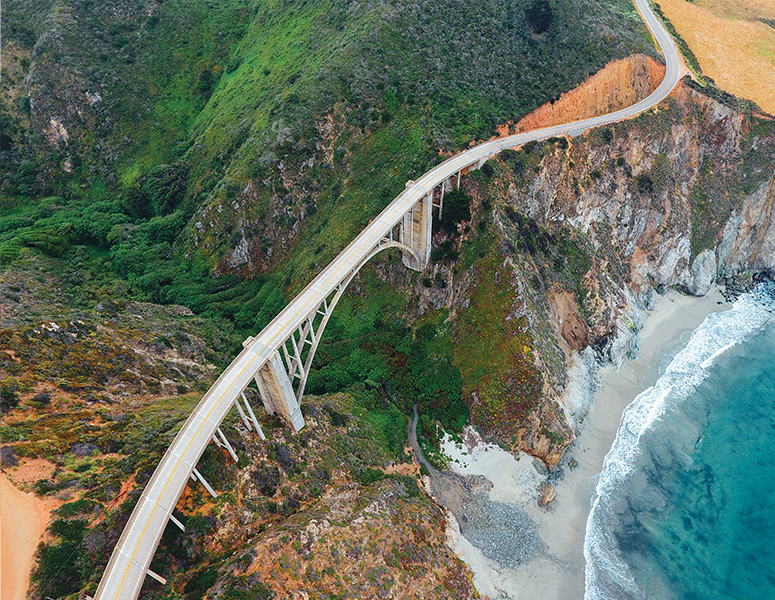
[(607, 574)]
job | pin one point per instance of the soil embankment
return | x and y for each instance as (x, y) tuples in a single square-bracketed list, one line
[(620, 84), (23, 519)]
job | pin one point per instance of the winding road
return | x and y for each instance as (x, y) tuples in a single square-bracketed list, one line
[(123, 578)]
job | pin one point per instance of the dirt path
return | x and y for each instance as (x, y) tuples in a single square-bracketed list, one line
[(23, 519)]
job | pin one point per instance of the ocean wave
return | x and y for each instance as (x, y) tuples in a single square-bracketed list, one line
[(625, 483)]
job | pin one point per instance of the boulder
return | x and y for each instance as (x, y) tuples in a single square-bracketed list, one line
[(703, 273), (547, 494)]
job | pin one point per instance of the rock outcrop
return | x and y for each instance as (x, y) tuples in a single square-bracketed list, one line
[(748, 239)]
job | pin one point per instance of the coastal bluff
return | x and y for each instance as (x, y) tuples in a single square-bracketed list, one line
[(591, 229)]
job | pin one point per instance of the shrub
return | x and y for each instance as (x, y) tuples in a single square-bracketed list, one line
[(539, 16), (266, 479), (57, 573), (368, 476), (410, 483), (25, 179), (9, 397), (198, 585), (40, 400), (645, 185), (457, 208), (164, 187)]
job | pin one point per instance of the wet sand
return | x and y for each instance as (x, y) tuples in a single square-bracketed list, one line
[(556, 572), (23, 519)]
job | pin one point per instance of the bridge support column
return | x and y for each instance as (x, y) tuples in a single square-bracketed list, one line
[(416, 232), (178, 523), (252, 417), (277, 392), (197, 476)]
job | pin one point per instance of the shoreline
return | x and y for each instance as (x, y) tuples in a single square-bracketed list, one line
[(556, 572)]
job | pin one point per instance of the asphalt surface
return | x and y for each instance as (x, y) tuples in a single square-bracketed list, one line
[(126, 570)]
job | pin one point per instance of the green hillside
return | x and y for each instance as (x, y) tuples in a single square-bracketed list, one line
[(143, 144), (308, 116)]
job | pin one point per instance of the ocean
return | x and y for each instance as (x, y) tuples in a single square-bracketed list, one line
[(684, 508)]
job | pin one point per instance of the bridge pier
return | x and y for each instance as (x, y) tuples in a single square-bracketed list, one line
[(417, 232), (277, 393)]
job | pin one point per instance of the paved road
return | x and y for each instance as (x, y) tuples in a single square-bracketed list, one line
[(125, 573)]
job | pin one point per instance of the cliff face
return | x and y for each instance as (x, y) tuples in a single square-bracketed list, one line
[(679, 197), (748, 240), (574, 238), (693, 176)]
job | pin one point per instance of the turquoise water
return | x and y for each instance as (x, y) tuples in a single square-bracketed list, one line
[(685, 505)]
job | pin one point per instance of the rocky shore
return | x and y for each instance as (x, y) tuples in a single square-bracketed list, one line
[(519, 541)]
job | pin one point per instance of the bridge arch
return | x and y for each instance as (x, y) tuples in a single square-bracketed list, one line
[(338, 295)]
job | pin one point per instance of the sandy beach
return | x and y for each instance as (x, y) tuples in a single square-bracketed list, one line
[(23, 519), (556, 572)]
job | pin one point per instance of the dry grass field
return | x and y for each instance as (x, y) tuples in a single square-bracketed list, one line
[(733, 43)]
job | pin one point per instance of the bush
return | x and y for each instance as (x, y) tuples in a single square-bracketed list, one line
[(645, 185), (25, 179), (57, 573), (368, 476), (40, 400), (9, 397), (164, 187), (410, 483), (457, 208), (266, 478), (539, 16), (247, 588), (198, 585)]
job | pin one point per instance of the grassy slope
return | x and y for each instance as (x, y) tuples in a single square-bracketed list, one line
[(399, 81), (149, 64), (321, 113)]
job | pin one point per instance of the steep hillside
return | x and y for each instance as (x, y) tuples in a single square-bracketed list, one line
[(314, 106), (97, 93), (217, 157), (340, 106)]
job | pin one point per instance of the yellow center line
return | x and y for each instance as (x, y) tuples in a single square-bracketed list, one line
[(156, 505)]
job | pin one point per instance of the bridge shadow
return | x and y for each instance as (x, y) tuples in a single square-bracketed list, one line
[(503, 533)]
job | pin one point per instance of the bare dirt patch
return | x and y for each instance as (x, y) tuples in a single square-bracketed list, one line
[(732, 44), (620, 84), (23, 520), (567, 320), (31, 470)]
